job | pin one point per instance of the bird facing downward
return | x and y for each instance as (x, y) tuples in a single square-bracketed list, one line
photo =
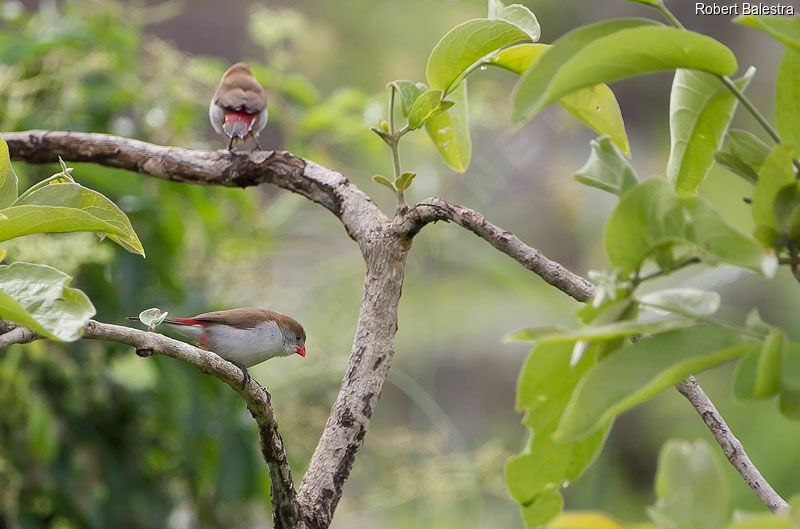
[(245, 337), (239, 106)]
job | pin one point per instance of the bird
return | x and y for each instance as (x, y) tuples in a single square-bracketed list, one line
[(244, 336), (239, 106)]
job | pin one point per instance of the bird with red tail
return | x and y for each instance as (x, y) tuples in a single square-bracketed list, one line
[(239, 106)]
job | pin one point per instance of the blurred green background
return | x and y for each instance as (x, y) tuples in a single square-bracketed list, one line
[(92, 436)]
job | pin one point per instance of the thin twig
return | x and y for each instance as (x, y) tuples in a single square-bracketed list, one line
[(731, 446)]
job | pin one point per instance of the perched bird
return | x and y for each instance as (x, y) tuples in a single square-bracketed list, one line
[(245, 337), (239, 106)]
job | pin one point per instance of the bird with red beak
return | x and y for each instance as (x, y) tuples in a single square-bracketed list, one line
[(244, 337), (239, 106)]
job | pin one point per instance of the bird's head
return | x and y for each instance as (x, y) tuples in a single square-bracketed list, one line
[(294, 337)]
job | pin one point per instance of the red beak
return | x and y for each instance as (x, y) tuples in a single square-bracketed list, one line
[(301, 350)]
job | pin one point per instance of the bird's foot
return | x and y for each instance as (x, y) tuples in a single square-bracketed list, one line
[(245, 374)]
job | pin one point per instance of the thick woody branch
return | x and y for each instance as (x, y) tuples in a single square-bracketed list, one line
[(731, 446), (223, 168), (435, 209), (15, 334), (257, 399)]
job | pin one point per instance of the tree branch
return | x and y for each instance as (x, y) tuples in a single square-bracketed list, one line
[(731, 446), (15, 334), (435, 209)]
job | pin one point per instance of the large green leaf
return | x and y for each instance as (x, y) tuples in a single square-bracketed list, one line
[(787, 98), (783, 29), (701, 109), (37, 297), (607, 168), (651, 217), (8, 180), (535, 477), (596, 106), (522, 17), (449, 131), (613, 50), (466, 44), (776, 173), (68, 207), (639, 371), (691, 489)]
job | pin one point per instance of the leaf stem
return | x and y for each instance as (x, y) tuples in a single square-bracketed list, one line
[(394, 145), (669, 15), (702, 319), (667, 271)]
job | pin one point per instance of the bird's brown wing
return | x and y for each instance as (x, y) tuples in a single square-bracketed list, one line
[(248, 318), (241, 92)]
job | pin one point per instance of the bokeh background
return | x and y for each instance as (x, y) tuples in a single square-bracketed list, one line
[(92, 436)]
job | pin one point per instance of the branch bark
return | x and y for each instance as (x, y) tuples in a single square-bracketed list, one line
[(731, 446), (384, 243)]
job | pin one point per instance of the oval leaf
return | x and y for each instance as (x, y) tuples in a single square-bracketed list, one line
[(607, 168), (466, 44), (701, 109), (425, 106), (613, 50), (8, 180), (36, 296), (787, 97), (785, 30), (748, 147), (59, 208), (639, 371), (408, 92), (767, 381), (776, 173), (449, 131), (523, 18), (404, 181)]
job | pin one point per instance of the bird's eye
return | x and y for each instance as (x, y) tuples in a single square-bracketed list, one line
[(298, 338)]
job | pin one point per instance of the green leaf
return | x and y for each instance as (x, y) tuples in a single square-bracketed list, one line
[(744, 376), (59, 208), (41, 429), (152, 317), (701, 109), (609, 331), (685, 301), (523, 18), (535, 477), (449, 131), (426, 105), (650, 217), (787, 97), (8, 180), (466, 44), (404, 181), (776, 173), (748, 147), (495, 6), (736, 165), (378, 179), (596, 106), (761, 521), (408, 92), (767, 381), (607, 168), (639, 371), (790, 381), (610, 51), (37, 297), (691, 489), (785, 30)]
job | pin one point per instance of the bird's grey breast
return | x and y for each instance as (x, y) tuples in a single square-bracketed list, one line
[(246, 346)]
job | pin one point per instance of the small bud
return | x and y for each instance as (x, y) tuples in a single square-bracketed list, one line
[(769, 264), (384, 125)]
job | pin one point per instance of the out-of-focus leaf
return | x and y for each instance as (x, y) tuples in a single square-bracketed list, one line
[(790, 381), (691, 489), (466, 44), (650, 216), (785, 30), (749, 147), (523, 18), (608, 331), (607, 168), (426, 105), (639, 371), (744, 376), (762, 521), (518, 58), (378, 179), (687, 301), (68, 207), (42, 434), (495, 6), (787, 97), (36, 296), (767, 381), (590, 520), (449, 131), (610, 51), (534, 478), (701, 109), (408, 92), (737, 166), (8, 180), (776, 173)]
